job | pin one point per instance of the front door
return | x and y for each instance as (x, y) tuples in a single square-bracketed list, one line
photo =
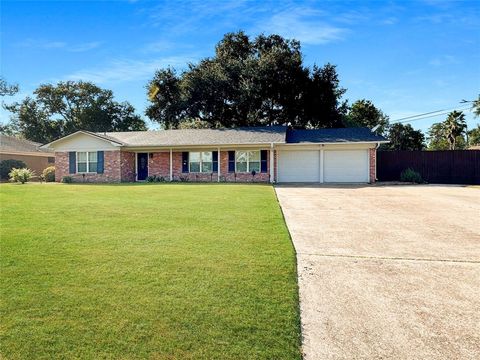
[(142, 166)]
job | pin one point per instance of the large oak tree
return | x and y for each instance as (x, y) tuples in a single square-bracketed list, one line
[(261, 81), (61, 109)]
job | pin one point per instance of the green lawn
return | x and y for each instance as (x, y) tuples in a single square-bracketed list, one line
[(168, 271)]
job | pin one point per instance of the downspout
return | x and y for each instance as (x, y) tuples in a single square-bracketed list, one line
[(272, 165), (171, 165), (218, 164), (376, 147)]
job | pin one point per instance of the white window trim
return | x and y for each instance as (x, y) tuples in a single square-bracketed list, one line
[(87, 162), (200, 162), (248, 161)]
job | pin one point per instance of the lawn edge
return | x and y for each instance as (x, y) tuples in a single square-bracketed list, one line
[(298, 309)]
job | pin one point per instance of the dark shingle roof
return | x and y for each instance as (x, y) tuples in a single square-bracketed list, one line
[(250, 135), (340, 135), (14, 144)]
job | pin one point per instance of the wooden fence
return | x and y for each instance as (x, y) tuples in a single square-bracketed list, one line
[(437, 167)]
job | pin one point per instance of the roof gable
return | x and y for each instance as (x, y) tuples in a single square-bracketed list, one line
[(83, 140)]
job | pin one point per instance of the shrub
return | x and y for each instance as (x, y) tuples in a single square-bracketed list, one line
[(48, 174), (7, 165), (410, 175), (155, 178), (21, 175), (67, 179)]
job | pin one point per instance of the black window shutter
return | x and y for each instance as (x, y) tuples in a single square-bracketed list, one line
[(264, 163), (185, 162), (72, 162), (100, 162), (215, 161), (231, 161)]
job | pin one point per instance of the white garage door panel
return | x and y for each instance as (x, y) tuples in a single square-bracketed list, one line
[(299, 166), (346, 166)]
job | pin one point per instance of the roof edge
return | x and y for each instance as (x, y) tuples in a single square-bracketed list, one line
[(89, 133)]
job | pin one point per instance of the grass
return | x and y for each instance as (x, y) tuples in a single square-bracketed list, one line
[(171, 271)]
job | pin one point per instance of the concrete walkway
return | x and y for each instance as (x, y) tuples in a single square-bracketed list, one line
[(387, 272)]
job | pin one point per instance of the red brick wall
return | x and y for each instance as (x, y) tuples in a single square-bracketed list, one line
[(127, 166), (242, 177), (178, 175), (111, 168), (373, 164), (159, 164), (120, 167)]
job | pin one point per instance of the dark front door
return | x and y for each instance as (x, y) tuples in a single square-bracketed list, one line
[(142, 166)]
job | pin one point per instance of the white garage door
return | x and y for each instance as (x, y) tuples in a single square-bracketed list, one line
[(299, 166), (346, 166)]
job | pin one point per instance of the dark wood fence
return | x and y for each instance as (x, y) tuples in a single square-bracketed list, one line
[(437, 167)]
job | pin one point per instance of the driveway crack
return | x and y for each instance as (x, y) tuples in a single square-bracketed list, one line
[(367, 257)]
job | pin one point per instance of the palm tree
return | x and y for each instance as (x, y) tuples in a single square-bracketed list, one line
[(454, 126), (476, 107)]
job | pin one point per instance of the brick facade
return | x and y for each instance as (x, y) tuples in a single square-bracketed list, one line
[(373, 165), (118, 166), (159, 165), (127, 169)]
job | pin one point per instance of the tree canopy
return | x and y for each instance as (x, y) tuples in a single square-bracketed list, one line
[(454, 126), (449, 134), (365, 113), (404, 137), (7, 89), (61, 109), (248, 82), (476, 107), (474, 136)]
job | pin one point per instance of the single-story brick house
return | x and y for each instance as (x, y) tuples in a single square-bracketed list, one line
[(259, 154)]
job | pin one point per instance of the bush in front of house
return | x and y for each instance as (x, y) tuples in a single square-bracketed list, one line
[(21, 175), (410, 175), (67, 179), (48, 174), (155, 178), (7, 165)]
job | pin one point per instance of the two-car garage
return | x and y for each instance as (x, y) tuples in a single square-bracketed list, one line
[(323, 165)]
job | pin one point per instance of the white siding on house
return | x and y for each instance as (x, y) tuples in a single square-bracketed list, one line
[(84, 142)]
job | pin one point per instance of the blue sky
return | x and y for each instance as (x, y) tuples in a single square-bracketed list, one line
[(408, 57)]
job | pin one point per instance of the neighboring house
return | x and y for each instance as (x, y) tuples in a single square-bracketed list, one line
[(474, 147), (29, 152), (259, 154)]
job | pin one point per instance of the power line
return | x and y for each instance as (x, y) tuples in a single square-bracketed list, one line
[(428, 115)]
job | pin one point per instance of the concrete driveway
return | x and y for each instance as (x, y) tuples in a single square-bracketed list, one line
[(387, 272)]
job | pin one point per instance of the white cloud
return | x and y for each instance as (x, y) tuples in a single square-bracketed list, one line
[(128, 70), (443, 60), (303, 24), (48, 45), (157, 46), (392, 20), (84, 47)]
